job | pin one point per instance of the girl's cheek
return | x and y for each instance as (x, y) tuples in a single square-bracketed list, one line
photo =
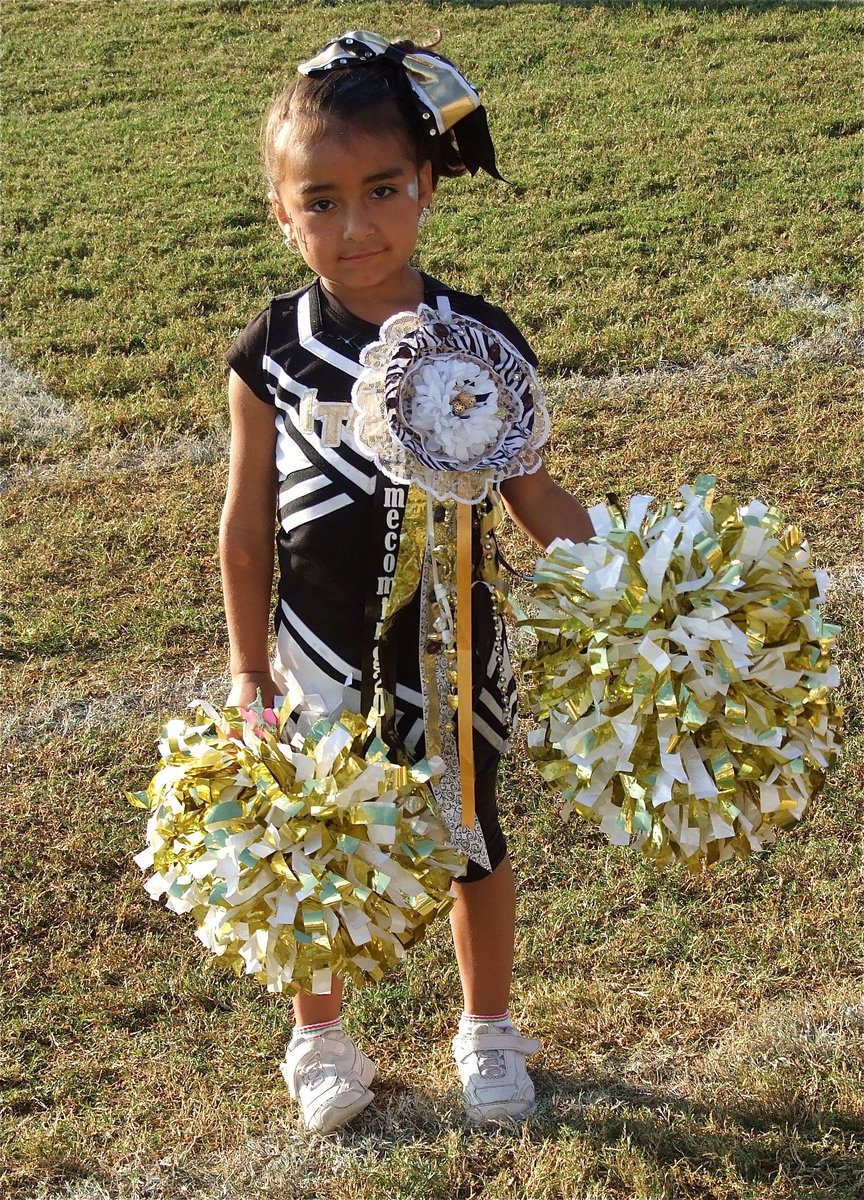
[(413, 189)]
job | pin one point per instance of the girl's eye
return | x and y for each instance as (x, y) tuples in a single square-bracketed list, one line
[(321, 205), (383, 191)]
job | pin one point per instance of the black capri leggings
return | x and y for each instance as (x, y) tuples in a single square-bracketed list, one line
[(486, 761)]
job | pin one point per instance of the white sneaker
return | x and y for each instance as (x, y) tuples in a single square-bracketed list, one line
[(329, 1076), (495, 1083)]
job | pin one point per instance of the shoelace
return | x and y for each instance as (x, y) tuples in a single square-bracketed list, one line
[(312, 1075), (491, 1064)]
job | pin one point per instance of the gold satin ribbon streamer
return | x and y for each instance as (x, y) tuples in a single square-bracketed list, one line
[(464, 684)]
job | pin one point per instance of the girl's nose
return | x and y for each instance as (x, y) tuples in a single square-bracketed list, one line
[(358, 223)]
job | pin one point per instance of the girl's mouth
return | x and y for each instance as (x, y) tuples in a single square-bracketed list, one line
[(361, 257)]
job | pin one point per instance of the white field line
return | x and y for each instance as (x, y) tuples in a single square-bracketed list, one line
[(38, 418), (847, 584), (796, 293), (799, 1031), (831, 345), (65, 713), (135, 454), (129, 454), (32, 413), (35, 417)]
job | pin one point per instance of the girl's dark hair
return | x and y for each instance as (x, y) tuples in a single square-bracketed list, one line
[(374, 95)]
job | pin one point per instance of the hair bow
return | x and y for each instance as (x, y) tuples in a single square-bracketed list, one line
[(443, 95)]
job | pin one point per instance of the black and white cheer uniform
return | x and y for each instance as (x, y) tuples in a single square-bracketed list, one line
[(329, 505)]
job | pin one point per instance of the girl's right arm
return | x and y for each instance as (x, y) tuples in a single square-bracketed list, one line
[(246, 537)]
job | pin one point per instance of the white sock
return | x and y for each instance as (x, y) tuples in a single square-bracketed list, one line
[(310, 1031), (468, 1022)]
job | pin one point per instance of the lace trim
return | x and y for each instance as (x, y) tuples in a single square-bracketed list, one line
[(424, 360)]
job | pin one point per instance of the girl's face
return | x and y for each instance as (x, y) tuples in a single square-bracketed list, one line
[(351, 201)]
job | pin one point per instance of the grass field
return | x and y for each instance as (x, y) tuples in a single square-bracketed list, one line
[(681, 245)]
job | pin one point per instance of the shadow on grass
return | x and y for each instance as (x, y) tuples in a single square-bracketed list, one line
[(402, 1116), (752, 7), (758, 1142), (681, 1137)]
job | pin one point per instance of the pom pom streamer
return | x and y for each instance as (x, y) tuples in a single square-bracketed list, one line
[(296, 859), (682, 677)]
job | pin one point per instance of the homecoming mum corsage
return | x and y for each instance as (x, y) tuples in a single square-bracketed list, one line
[(449, 406)]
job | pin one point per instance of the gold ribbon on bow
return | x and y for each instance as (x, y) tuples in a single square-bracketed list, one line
[(437, 84)]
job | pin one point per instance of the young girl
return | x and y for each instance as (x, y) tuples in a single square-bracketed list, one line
[(353, 150)]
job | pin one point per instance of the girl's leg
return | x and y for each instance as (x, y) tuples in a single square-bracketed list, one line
[(324, 1070), (489, 1052), (483, 922), (316, 1010)]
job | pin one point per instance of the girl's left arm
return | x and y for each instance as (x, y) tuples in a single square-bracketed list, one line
[(544, 510)]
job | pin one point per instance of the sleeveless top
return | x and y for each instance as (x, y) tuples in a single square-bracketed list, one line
[(336, 512)]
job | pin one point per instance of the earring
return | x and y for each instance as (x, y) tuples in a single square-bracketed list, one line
[(290, 242), (423, 219)]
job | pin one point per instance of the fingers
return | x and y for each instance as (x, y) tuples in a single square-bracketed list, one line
[(245, 688)]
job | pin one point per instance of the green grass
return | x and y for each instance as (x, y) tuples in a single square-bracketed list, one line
[(703, 1037), (703, 149)]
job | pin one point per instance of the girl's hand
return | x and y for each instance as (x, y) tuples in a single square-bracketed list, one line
[(246, 685)]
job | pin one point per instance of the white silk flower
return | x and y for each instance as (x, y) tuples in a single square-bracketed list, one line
[(455, 409)]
